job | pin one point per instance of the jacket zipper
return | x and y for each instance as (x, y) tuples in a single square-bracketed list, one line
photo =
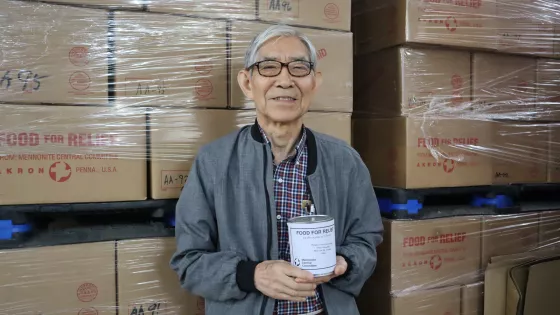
[(268, 216), (313, 213)]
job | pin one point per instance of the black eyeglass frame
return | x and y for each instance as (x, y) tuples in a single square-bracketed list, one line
[(282, 65)]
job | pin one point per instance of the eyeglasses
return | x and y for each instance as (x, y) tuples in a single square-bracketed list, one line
[(272, 68)]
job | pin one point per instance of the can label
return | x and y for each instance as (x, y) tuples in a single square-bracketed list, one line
[(313, 246)]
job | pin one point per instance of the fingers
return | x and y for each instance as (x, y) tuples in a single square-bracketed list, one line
[(295, 272)]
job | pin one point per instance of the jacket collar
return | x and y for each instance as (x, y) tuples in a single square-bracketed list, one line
[(310, 141)]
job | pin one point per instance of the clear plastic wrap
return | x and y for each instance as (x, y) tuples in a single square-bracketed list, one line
[(109, 101)]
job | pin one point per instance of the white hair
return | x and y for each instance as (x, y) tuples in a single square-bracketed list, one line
[(273, 32)]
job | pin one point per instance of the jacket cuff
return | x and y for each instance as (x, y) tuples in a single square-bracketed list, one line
[(349, 263), (245, 276)]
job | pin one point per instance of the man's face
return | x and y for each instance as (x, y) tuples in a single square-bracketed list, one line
[(283, 97)]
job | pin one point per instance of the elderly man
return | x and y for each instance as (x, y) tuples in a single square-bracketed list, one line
[(231, 220)]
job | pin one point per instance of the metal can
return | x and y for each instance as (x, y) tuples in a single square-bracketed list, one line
[(313, 244)]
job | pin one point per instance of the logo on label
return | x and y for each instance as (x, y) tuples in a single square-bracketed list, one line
[(456, 81), (331, 11), (451, 24), (435, 262), (88, 311), (79, 56), (60, 171), (203, 87), (87, 292), (297, 262), (80, 81), (448, 165)]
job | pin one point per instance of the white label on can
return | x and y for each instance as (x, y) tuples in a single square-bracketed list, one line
[(313, 247)]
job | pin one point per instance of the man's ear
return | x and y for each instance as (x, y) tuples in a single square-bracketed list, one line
[(318, 79), (244, 81)]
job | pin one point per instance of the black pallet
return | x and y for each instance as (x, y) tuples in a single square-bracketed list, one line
[(398, 203), (18, 223), (539, 197)]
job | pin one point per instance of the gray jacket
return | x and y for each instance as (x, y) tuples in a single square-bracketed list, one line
[(226, 221)]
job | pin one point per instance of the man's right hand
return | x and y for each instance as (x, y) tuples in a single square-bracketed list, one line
[(276, 279)]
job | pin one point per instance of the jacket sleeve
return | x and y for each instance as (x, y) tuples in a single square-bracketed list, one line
[(365, 233), (203, 269)]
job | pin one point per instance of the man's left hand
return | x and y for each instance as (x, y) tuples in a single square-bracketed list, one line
[(339, 270)]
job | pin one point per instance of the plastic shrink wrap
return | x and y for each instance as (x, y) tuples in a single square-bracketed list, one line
[(466, 97), (108, 101)]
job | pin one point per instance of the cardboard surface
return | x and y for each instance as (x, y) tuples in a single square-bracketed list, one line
[(516, 287), (508, 234), (411, 81), (238, 9), (329, 14), (524, 28), (166, 60), (406, 154), (385, 23), (542, 288), (66, 280), (334, 56), (177, 134), (553, 166), (57, 154), (432, 253), (548, 89), (472, 299), (549, 229), (146, 282), (444, 301), (519, 153), (504, 86), (129, 4), (60, 57), (495, 278)]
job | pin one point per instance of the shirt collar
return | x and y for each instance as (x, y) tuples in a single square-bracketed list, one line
[(299, 146)]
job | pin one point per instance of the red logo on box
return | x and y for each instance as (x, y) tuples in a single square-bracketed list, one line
[(451, 24), (80, 81), (60, 172), (87, 292), (436, 262), (79, 56), (331, 11), (88, 311), (204, 87)]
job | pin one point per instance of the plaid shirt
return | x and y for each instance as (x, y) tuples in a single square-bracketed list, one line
[(290, 189)]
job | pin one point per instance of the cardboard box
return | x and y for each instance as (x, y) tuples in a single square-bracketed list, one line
[(146, 282), (472, 299), (412, 81), (405, 155), (166, 60), (524, 28), (53, 54), (548, 89), (128, 4), (233, 9), (504, 87), (58, 154), (425, 254), (519, 153), (441, 301), (549, 229), (385, 23), (334, 55), (553, 166), (508, 234), (67, 279), (329, 14), (176, 136)]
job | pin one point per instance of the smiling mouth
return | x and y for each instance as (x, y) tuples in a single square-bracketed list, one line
[(284, 98)]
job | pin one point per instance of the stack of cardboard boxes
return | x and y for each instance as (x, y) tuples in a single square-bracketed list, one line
[(110, 100), (142, 84), (452, 94)]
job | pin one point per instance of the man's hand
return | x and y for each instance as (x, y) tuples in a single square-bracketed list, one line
[(276, 279), (339, 270)]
